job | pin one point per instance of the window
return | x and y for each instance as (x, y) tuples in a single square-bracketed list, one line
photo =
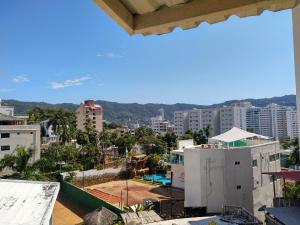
[(5, 135), (238, 187), (5, 148), (254, 163), (237, 163), (273, 157)]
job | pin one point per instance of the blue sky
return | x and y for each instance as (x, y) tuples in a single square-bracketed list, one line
[(55, 51)]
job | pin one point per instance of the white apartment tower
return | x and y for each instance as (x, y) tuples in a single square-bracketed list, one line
[(278, 120), (211, 118), (181, 122), (232, 116), (259, 121), (92, 111), (195, 120), (292, 123)]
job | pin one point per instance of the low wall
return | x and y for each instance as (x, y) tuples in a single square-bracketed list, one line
[(85, 199)]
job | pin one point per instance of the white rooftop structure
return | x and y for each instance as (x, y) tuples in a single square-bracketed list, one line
[(27, 202), (236, 134)]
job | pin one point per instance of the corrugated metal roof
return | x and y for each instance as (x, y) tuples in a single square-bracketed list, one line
[(27, 202), (162, 16), (290, 175), (286, 215)]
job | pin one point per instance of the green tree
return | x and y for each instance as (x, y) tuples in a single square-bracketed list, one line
[(188, 135), (294, 158), (36, 115), (292, 190), (153, 145), (22, 158), (82, 138), (63, 124), (143, 132), (125, 142), (170, 139)]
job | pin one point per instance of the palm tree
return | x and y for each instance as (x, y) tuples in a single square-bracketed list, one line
[(63, 125)]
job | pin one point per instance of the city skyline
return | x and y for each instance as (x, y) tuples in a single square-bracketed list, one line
[(69, 57)]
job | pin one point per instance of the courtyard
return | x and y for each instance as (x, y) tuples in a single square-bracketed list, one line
[(115, 192)]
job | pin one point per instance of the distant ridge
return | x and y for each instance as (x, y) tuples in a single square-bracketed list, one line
[(125, 112)]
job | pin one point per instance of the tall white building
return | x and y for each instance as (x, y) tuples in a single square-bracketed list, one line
[(232, 116), (211, 118), (279, 120), (292, 123), (197, 119), (181, 122), (259, 121), (275, 121)]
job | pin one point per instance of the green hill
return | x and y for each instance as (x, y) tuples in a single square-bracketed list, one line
[(125, 112)]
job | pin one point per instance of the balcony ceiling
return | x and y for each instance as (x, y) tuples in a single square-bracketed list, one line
[(162, 16)]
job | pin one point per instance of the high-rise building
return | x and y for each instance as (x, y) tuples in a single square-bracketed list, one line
[(232, 116), (279, 122), (292, 123), (258, 120), (92, 111), (197, 119), (181, 122), (211, 119)]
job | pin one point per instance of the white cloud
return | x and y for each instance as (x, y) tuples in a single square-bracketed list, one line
[(5, 90), (69, 83), (111, 55), (20, 79)]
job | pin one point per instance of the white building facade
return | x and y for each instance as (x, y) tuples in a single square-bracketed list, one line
[(232, 116), (197, 119), (292, 123), (181, 122), (213, 176), (14, 133)]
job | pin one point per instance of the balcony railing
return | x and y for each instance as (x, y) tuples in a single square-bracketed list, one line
[(286, 202)]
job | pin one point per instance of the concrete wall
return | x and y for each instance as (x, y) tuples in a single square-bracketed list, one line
[(178, 176), (23, 135), (217, 177), (238, 178), (262, 185), (204, 179), (296, 29)]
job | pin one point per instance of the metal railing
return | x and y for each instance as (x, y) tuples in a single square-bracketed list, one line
[(239, 215), (286, 202)]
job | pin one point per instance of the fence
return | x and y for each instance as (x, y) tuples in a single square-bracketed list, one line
[(85, 199), (233, 213)]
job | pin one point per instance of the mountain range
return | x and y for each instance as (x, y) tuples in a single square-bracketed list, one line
[(135, 112)]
